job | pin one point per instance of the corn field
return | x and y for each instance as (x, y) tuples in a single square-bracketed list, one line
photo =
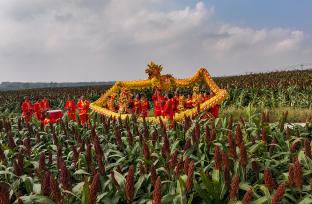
[(253, 160), (274, 89), (272, 80), (114, 161)]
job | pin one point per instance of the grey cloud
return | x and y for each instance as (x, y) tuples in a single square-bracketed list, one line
[(93, 40)]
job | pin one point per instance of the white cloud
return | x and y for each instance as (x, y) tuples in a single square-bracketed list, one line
[(84, 40), (274, 40), (291, 42)]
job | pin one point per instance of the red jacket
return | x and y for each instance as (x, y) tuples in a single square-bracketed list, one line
[(27, 107), (83, 106), (175, 102), (38, 108), (168, 109), (137, 106), (157, 104), (215, 110), (70, 106), (206, 98), (45, 104), (144, 107), (189, 103)]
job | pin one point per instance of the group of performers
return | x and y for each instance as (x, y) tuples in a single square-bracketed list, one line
[(138, 105), (164, 105), (170, 104), (42, 107), (39, 108)]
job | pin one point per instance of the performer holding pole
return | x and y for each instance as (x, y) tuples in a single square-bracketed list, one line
[(181, 104), (83, 107), (189, 102), (45, 104), (39, 110), (137, 105), (214, 110), (144, 106), (158, 99), (111, 103), (168, 108), (206, 96), (123, 100), (27, 109), (70, 107)]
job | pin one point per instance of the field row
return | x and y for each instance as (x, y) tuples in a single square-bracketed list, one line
[(114, 161)]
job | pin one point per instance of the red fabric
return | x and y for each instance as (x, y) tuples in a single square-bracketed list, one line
[(137, 107), (83, 106), (55, 117), (45, 104), (26, 106), (175, 103), (46, 121), (157, 98), (144, 108), (131, 105), (168, 109), (70, 107), (215, 110), (27, 109), (83, 119), (38, 108), (189, 103), (206, 98)]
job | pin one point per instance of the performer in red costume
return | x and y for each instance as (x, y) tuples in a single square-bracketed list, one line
[(45, 104), (215, 110), (144, 106), (27, 109), (70, 107), (206, 96), (175, 101), (164, 105), (158, 100), (131, 105), (83, 106), (137, 105), (168, 108), (39, 110), (189, 102)]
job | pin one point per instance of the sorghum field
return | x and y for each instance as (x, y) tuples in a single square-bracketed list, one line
[(253, 159)]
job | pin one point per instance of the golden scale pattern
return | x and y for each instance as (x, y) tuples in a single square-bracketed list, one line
[(202, 73)]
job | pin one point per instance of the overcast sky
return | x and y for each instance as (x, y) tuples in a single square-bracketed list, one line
[(102, 40)]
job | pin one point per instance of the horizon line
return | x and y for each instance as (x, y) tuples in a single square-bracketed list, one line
[(219, 76)]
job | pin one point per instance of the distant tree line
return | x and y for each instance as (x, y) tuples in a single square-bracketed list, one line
[(6, 86)]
